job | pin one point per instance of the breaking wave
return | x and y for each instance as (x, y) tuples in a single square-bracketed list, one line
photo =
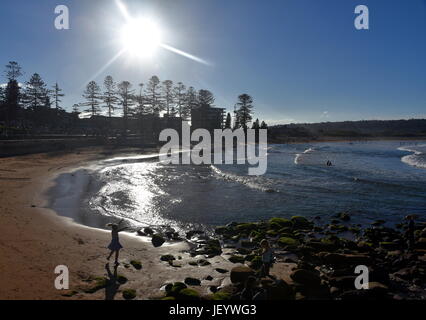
[(417, 158)]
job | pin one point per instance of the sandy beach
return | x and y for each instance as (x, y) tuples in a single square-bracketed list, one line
[(34, 240)]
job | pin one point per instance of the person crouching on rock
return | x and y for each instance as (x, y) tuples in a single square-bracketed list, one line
[(115, 244), (267, 258)]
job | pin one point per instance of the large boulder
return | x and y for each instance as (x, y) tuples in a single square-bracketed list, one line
[(240, 274), (306, 277), (157, 240)]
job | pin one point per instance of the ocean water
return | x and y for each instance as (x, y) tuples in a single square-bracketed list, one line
[(371, 180)]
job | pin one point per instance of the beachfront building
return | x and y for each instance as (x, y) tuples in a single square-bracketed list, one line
[(207, 118)]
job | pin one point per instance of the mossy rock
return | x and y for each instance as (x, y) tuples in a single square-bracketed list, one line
[(176, 288), (301, 223), (237, 259), (222, 230), (188, 294), (285, 241), (221, 296), (246, 227), (129, 294), (193, 263), (168, 298), (281, 222), (136, 264)]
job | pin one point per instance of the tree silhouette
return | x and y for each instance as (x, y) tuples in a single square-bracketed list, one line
[(93, 98), (35, 93), (167, 88), (205, 98), (125, 93), (256, 125), (191, 100), (153, 95), (179, 94), (57, 95), (244, 112), (13, 71), (109, 96), (140, 99)]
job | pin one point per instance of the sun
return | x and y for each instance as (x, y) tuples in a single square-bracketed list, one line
[(141, 37)]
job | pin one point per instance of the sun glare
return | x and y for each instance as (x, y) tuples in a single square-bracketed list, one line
[(141, 37)]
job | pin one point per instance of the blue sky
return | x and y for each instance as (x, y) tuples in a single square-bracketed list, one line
[(301, 60)]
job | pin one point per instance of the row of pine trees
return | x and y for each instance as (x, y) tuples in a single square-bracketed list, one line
[(116, 98)]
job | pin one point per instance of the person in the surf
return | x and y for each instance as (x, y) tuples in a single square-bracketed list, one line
[(115, 245), (329, 164)]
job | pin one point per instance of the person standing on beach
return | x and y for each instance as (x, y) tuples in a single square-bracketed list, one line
[(115, 244), (267, 258)]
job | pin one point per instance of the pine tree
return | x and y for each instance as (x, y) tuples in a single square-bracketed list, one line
[(109, 96), (244, 112), (12, 98), (153, 95), (191, 101), (263, 125), (256, 125), (75, 108), (57, 95), (205, 98), (11, 94), (13, 71), (168, 97), (228, 121), (140, 99), (179, 93), (125, 93), (93, 98), (35, 93)]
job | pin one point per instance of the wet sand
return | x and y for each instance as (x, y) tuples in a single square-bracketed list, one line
[(34, 240)]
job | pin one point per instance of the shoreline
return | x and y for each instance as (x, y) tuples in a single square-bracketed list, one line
[(35, 239)]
